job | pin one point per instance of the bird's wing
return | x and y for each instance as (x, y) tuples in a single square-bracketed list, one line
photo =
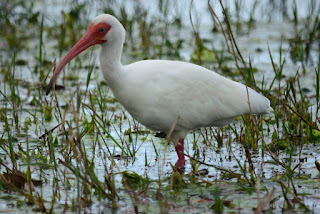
[(157, 92)]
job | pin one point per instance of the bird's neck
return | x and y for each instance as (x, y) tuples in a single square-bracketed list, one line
[(110, 61)]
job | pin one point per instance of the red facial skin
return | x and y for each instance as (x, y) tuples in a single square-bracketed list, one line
[(95, 35)]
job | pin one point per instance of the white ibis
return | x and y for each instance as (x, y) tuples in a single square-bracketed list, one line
[(163, 93)]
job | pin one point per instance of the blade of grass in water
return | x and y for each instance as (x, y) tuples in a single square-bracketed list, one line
[(10, 143), (109, 135), (317, 88), (41, 41), (28, 173)]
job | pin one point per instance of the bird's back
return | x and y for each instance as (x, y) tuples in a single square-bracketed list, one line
[(157, 92)]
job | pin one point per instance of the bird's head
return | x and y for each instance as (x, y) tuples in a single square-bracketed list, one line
[(103, 28)]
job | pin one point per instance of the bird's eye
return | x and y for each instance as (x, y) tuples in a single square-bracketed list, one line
[(102, 30)]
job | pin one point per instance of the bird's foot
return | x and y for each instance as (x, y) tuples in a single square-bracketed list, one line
[(180, 166)]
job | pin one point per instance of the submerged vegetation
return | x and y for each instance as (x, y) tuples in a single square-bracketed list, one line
[(78, 150)]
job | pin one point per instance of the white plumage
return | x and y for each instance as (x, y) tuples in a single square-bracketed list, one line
[(157, 92)]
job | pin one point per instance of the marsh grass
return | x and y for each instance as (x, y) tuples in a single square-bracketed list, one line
[(85, 150)]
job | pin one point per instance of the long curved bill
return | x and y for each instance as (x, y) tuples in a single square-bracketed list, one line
[(85, 42)]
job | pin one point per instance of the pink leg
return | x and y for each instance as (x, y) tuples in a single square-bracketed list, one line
[(180, 164)]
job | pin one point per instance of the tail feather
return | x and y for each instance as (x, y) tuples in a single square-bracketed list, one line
[(259, 104)]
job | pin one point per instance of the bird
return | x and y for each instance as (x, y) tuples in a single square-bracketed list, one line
[(173, 97)]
